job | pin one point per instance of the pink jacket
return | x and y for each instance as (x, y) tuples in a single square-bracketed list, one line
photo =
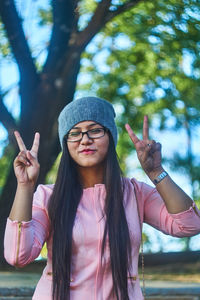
[(89, 279)]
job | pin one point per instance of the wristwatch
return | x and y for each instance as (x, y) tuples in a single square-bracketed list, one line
[(160, 177)]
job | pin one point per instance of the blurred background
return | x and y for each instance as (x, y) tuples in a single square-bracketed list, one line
[(142, 56)]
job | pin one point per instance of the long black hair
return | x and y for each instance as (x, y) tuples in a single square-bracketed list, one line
[(62, 211)]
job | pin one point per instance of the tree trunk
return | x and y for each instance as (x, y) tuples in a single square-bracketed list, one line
[(44, 95), (49, 100)]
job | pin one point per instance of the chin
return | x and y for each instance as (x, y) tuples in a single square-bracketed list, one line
[(89, 164)]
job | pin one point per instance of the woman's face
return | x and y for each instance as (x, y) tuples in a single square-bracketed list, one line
[(88, 152)]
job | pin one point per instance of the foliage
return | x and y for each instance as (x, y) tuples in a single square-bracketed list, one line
[(51, 175), (4, 45), (45, 17), (144, 70), (5, 165), (44, 251)]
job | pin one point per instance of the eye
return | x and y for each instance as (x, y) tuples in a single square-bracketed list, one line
[(74, 133), (96, 130)]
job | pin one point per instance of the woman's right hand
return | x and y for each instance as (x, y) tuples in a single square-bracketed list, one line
[(26, 164)]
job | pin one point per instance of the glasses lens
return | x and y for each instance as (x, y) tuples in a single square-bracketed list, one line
[(74, 136), (96, 133)]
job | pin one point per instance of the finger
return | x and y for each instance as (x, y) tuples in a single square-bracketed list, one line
[(22, 158), (36, 143), (146, 152), (132, 135), (150, 143), (153, 147), (33, 160), (158, 147), (145, 128), (20, 142), (30, 157)]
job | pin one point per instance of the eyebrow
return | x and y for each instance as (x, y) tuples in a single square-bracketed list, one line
[(90, 125)]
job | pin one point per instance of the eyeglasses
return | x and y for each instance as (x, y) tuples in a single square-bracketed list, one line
[(76, 136)]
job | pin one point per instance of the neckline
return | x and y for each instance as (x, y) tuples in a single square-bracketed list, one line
[(95, 186)]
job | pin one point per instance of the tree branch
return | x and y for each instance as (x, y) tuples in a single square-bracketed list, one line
[(97, 21), (102, 15), (6, 118), (16, 37), (121, 8), (63, 23)]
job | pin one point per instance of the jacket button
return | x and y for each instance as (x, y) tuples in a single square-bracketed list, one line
[(49, 273)]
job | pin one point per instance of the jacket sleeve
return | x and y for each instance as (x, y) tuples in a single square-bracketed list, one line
[(23, 241), (153, 211)]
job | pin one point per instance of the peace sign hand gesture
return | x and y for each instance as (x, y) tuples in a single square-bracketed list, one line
[(148, 151), (26, 164)]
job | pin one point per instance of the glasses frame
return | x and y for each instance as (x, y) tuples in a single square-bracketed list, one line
[(86, 132)]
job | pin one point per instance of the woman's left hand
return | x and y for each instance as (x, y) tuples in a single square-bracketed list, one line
[(148, 151)]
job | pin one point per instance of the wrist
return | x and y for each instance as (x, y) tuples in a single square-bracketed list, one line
[(160, 177), (30, 186), (157, 175)]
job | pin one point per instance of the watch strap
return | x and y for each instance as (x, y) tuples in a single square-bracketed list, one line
[(160, 177)]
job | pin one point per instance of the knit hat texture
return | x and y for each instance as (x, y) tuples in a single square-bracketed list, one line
[(87, 109)]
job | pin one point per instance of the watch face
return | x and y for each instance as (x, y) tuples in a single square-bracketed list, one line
[(160, 177)]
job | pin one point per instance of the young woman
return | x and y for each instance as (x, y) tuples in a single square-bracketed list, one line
[(91, 218)]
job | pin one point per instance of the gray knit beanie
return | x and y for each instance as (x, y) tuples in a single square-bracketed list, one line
[(87, 109)]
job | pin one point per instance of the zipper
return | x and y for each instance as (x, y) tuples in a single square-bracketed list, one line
[(18, 240)]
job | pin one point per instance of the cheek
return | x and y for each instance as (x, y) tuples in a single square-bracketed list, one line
[(104, 147)]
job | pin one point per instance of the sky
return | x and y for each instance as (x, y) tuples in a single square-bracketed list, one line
[(170, 141)]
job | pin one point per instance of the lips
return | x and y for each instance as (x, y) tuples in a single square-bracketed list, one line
[(88, 151)]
